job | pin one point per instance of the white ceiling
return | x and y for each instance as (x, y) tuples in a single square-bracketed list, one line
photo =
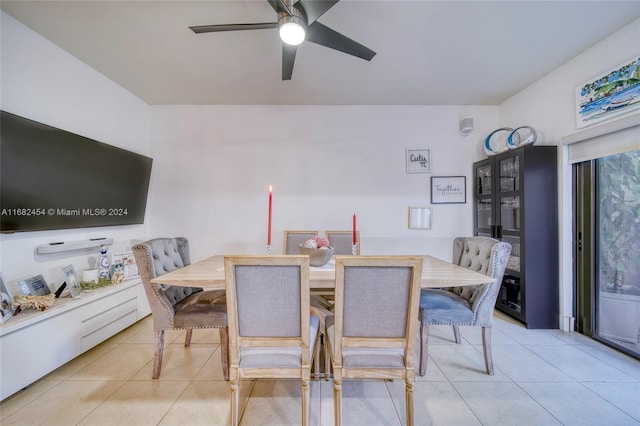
[(428, 52)]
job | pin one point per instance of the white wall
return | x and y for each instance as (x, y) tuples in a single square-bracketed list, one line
[(42, 82), (549, 106), (214, 164)]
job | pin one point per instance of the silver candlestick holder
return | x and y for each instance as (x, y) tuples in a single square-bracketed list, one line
[(354, 249)]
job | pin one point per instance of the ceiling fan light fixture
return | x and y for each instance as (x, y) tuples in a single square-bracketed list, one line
[(292, 33), (292, 28)]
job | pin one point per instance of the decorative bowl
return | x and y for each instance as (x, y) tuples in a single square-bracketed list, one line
[(317, 256)]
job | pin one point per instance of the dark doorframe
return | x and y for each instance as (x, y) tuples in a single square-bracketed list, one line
[(584, 246)]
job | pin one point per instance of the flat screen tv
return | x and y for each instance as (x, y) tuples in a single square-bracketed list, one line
[(54, 179)]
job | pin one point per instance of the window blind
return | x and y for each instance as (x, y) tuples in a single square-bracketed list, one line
[(610, 138)]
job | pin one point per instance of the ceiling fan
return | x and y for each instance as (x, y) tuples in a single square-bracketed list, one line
[(297, 21)]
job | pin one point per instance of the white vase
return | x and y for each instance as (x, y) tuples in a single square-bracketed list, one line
[(104, 264)]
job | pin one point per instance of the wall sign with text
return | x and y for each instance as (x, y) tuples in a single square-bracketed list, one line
[(448, 189), (418, 161)]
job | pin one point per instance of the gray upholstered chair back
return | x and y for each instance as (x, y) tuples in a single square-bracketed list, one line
[(489, 257), (268, 300), (372, 333), (371, 290), (293, 239), (157, 257), (341, 241)]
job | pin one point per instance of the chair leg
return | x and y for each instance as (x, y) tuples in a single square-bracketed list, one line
[(456, 333), (224, 351), (305, 402), (327, 358), (159, 351), (315, 362), (187, 339), (337, 401), (409, 402), (424, 339), (234, 401), (486, 345)]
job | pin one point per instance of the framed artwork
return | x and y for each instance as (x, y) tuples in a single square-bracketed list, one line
[(70, 277), (418, 160), (419, 218), (34, 286), (6, 308), (448, 189), (610, 94)]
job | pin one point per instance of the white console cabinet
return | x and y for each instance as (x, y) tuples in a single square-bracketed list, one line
[(32, 344)]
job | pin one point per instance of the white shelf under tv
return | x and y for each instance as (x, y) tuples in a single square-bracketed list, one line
[(62, 246)]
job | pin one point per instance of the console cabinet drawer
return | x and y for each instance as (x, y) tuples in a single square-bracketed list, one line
[(105, 318), (94, 309), (107, 330)]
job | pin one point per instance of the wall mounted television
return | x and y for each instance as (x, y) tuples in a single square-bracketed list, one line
[(53, 179)]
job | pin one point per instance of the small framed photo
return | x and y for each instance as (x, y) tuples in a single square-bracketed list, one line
[(70, 277), (129, 265), (419, 218), (448, 189), (34, 286), (116, 263), (6, 308), (418, 160)]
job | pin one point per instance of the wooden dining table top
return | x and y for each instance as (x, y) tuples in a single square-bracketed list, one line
[(209, 274)]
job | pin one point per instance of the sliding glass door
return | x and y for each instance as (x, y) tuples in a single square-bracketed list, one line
[(608, 250)]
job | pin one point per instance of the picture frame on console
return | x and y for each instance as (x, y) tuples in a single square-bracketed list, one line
[(34, 286), (6, 306), (71, 278), (129, 265)]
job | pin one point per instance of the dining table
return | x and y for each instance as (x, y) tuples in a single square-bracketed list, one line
[(209, 274)]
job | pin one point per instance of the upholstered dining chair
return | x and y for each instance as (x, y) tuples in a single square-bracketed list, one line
[(292, 239), (271, 332), (372, 333), (322, 308), (175, 307), (470, 305), (319, 304), (341, 241)]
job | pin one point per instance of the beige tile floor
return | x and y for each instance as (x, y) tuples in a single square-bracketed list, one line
[(542, 377)]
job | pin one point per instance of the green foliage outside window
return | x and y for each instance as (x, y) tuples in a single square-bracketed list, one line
[(619, 215)]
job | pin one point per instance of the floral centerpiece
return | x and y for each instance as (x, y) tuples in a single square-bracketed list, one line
[(318, 250)]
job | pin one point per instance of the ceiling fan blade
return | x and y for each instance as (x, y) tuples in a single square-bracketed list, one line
[(325, 36), (316, 8), (288, 58), (274, 4), (233, 27)]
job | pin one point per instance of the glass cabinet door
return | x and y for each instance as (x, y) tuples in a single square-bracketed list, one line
[(483, 177), (509, 174), (510, 213), (514, 258), (484, 213)]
